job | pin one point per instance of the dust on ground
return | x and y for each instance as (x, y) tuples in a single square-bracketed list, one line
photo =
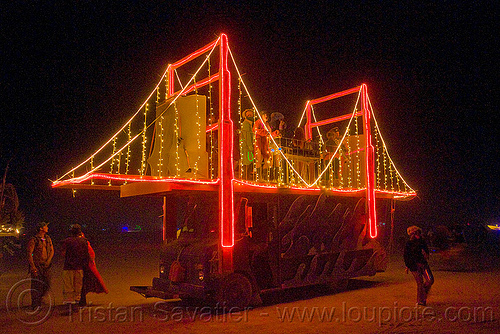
[(464, 299)]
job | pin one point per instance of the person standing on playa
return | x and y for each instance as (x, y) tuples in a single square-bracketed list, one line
[(92, 280), (80, 275), (247, 142), (416, 254), (40, 252), (76, 257)]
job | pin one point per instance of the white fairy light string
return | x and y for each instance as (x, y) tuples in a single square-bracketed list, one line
[(115, 158), (385, 148), (308, 185), (131, 119)]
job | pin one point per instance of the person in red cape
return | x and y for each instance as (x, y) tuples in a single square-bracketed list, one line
[(92, 280)]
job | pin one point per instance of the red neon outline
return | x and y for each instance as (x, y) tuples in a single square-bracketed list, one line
[(335, 95), (317, 189), (194, 55), (212, 127), (188, 58), (309, 125), (370, 171), (199, 84), (226, 180), (335, 119), (147, 178), (361, 149), (226, 170), (128, 178)]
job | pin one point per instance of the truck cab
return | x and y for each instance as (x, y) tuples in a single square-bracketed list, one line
[(281, 241)]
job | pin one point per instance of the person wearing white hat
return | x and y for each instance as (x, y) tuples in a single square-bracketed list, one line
[(416, 254)]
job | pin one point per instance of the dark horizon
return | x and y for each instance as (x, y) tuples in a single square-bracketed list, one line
[(72, 74)]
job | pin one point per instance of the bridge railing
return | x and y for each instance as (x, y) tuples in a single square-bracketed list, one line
[(292, 162)]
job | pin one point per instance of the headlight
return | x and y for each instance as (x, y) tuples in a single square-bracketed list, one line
[(162, 269), (201, 274)]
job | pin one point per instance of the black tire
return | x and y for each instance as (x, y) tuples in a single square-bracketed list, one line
[(235, 291)]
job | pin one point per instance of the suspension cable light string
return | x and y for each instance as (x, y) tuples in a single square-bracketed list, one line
[(89, 173), (343, 137), (317, 128), (159, 116), (187, 84), (198, 135), (260, 117), (340, 144), (303, 113), (378, 150), (274, 142), (387, 151), (127, 161), (160, 151), (121, 129), (133, 178), (210, 120), (153, 122), (178, 79), (142, 171), (385, 147), (240, 132)]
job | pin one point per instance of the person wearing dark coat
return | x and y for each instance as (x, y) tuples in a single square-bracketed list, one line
[(76, 256), (416, 254), (80, 275)]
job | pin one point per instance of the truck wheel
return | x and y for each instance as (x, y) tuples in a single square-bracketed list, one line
[(235, 291)]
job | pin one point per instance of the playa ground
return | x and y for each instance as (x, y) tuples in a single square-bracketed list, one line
[(464, 299)]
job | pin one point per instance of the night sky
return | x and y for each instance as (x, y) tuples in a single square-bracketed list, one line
[(73, 72)]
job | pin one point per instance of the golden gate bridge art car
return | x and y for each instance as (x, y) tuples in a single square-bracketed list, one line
[(313, 210)]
